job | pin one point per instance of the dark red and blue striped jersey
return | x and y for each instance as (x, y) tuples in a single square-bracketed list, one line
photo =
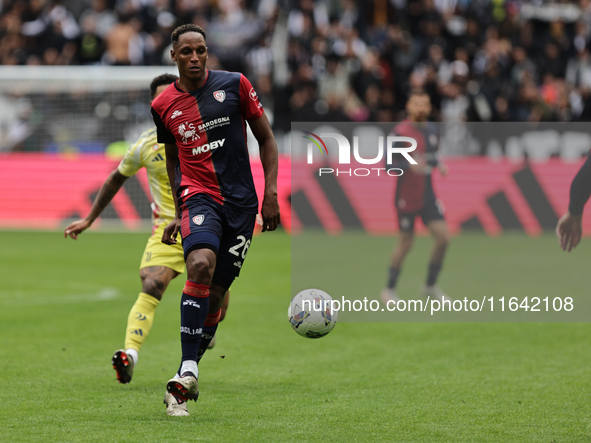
[(208, 125), (412, 187)]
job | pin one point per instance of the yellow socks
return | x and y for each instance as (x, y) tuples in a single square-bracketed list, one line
[(140, 321)]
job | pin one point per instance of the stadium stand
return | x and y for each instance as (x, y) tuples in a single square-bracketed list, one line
[(339, 60), (71, 86)]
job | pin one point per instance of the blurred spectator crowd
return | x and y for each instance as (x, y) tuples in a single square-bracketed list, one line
[(339, 60)]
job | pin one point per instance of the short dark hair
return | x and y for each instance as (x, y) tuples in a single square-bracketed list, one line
[(164, 79), (189, 27), (417, 91)]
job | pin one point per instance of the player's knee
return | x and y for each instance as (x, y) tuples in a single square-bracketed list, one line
[(153, 287), (406, 244), (199, 268)]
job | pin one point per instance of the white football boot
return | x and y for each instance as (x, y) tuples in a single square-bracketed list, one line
[(436, 293), (388, 296), (185, 386), (175, 406)]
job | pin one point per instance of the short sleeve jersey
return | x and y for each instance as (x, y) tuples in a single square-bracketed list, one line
[(208, 126), (412, 187), (147, 153)]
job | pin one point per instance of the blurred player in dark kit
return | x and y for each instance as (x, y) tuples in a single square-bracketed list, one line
[(415, 197)]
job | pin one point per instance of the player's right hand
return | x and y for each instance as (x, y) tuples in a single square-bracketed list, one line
[(171, 231), (75, 228), (569, 231)]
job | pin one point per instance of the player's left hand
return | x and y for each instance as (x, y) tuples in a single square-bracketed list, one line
[(442, 168), (270, 213), (569, 231)]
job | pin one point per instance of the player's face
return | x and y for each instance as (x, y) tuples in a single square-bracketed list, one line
[(190, 55), (419, 108)]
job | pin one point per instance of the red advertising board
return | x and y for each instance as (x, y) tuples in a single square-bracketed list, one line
[(45, 190), (478, 193)]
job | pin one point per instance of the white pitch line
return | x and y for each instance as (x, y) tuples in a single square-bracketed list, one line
[(103, 294)]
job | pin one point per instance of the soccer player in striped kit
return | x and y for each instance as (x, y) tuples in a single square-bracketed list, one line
[(160, 263), (415, 197), (202, 119)]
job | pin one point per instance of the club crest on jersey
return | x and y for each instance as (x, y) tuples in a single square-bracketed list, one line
[(188, 132), (198, 219), (253, 94), (220, 95)]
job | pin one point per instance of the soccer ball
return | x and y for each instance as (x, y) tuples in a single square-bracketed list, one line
[(310, 313)]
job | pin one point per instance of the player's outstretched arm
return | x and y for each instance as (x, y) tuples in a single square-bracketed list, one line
[(269, 158), (171, 231), (570, 226), (110, 187)]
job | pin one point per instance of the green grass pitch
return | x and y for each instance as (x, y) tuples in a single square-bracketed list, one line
[(64, 305)]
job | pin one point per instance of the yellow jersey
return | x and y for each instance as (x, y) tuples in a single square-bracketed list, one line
[(147, 153)]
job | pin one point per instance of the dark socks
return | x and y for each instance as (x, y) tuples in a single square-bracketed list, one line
[(209, 328), (393, 277), (194, 309), (434, 269)]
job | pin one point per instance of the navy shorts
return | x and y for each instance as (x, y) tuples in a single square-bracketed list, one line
[(206, 224), (432, 210)]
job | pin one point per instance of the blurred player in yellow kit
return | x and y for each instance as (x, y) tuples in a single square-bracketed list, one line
[(160, 263)]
